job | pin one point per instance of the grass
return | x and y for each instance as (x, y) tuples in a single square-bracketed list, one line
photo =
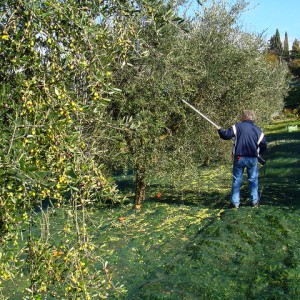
[(189, 244)]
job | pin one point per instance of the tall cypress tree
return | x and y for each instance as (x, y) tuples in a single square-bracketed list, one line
[(286, 50), (275, 44)]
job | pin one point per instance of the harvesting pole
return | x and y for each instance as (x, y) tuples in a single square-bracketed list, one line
[(260, 159), (200, 113)]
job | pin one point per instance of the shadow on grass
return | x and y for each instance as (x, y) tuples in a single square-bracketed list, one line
[(280, 177), (191, 198), (168, 194)]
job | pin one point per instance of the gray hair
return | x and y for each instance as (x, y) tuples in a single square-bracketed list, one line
[(249, 115)]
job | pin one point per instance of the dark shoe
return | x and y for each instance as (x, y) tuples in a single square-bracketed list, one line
[(234, 205)]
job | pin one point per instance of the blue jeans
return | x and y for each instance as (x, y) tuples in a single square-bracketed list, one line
[(239, 164)]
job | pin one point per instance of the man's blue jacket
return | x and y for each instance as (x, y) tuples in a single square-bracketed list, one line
[(249, 140)]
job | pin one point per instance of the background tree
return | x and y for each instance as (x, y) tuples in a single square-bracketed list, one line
[(292, 101), (295, 52), (295, 67), (275, 44), (286, 47), (230, 74)]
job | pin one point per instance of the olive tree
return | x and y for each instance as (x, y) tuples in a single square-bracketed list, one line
[(143, 112), (209, 61), (224, 70), (56, 81)]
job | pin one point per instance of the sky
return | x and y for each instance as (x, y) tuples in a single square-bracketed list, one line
[(268, 15)]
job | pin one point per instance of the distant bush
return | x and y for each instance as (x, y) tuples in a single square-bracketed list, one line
[(294, 66)]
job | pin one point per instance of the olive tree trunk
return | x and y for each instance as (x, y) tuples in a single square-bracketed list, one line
[(140, 185)]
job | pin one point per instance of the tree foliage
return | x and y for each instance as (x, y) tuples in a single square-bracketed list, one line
[(295, 52), (56, 82), (275, 44), (210, 62), (286, 49), (92, 87), (292, 101)]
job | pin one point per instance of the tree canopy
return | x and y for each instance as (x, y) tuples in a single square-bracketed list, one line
[(275, 44), (89, 88)]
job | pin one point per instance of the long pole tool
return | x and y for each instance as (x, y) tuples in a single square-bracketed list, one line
[(200, 113)]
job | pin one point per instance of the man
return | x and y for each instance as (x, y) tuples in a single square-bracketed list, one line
[(249, 143)]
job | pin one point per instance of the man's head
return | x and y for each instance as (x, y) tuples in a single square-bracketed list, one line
[(249, 115)]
